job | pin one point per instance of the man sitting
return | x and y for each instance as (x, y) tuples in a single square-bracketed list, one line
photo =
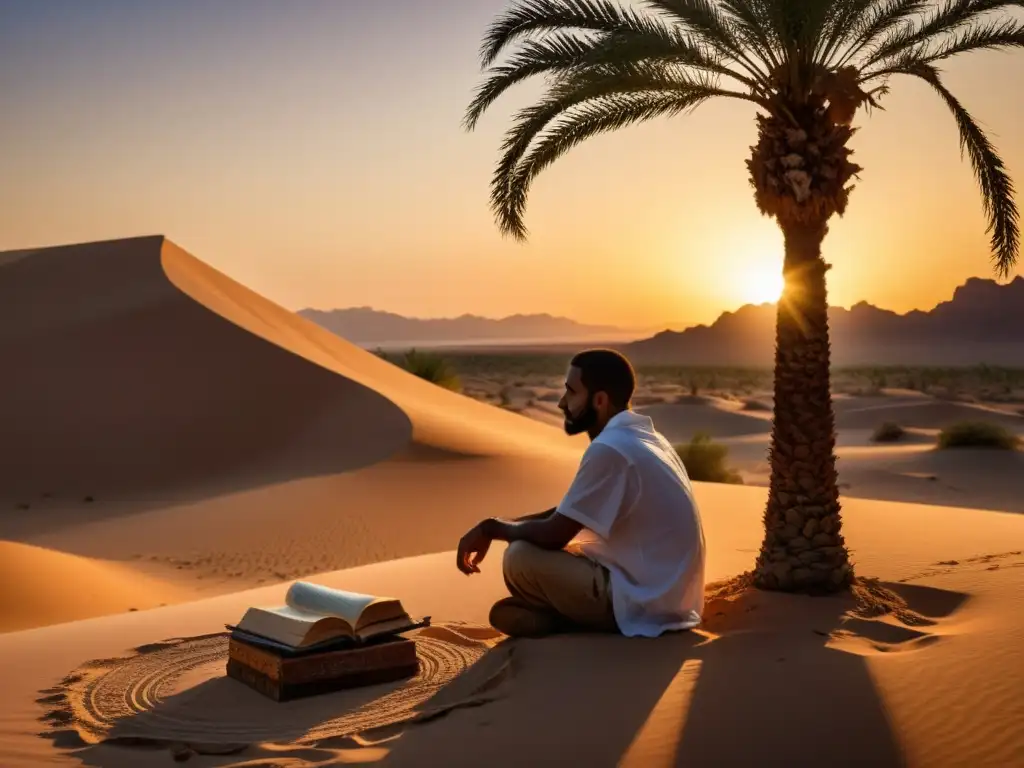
[(624, 549)]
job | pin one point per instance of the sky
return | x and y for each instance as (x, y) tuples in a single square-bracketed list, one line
[(313, 151)]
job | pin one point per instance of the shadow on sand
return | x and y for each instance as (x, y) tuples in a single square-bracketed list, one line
[(771, 680), (774, 680)]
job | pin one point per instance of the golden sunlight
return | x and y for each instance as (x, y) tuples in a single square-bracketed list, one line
[(760, 283)]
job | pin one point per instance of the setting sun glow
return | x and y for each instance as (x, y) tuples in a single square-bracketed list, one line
[(761, 283)]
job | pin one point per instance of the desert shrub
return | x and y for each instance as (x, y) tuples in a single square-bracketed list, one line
[(705, 460), (978, 434), (888, 432), (504, 398), (431, 367), (753, 404)]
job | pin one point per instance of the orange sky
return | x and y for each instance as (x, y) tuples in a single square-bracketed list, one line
[(318, 158)]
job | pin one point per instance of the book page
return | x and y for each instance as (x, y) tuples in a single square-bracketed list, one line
[(283, 623), (316, 598)]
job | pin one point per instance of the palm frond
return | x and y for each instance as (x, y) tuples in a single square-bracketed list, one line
[(993, 35), (805, 26), (600, 115), (753, 23), (948, 20), (996, 187), (527, 17), (1007, 33), (613, 85), (708, 22), (837, 27), (701, 17), (560, 52), (882, 18)]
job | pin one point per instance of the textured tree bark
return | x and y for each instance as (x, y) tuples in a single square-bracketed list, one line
[(803, 548)]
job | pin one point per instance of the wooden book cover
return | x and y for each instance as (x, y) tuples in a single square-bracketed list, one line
[(281, 691), (282, 678)]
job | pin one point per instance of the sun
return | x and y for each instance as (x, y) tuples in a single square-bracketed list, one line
[(760, 283)]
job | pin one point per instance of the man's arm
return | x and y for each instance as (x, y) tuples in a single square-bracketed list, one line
[(552, 531), (599, 492), (537, 516), (594, 500), (547, 530)]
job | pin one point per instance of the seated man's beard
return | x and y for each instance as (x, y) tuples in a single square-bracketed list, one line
[(581, 422)]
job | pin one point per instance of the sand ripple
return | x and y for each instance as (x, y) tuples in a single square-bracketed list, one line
[(177, 692)]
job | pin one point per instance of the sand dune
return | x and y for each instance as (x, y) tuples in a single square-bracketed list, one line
[(807, 681), (282, 531), (142, 368), (166, 417), (911, 469), (46, 587), (680, 422), (976, 477), (854, 415), (128, 384), (922, 412), (916, 472), (221, 441), (439, 418)]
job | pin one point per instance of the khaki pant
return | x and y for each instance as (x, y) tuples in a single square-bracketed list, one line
[(573, 587)]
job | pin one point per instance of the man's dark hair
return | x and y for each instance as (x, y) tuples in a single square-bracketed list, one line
[(608, 371)]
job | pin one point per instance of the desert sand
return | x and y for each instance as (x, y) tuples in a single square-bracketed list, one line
[(172, 440), (167, 417), (912, 469)]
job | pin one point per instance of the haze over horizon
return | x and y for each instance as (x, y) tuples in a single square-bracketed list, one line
[(317, 156), (667, 324)]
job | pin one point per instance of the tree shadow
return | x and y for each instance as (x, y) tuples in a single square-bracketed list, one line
[(772, 679), (563, 696)]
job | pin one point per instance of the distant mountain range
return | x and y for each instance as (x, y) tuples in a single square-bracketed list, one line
[(365, 326), (982, 323)]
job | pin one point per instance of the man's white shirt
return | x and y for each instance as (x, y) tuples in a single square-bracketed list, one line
[(633, 497)]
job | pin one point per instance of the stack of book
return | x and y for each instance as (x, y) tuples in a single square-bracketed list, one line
[(322, 640)]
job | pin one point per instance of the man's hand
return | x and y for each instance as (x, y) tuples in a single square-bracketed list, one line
[(473, 548)]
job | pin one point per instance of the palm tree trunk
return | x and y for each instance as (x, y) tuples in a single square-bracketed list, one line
[(803, 548)]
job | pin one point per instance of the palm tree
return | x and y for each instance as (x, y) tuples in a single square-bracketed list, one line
[(806, 67)]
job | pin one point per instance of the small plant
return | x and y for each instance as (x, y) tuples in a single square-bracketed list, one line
[(978, 434), (888, 432), (753, 404), (430, 367), (705, 460)]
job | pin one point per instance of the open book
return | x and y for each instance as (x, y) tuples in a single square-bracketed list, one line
[(315, 615)]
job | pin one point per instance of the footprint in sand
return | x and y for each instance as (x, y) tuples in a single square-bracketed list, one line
[(894, 618), (988, 562)]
